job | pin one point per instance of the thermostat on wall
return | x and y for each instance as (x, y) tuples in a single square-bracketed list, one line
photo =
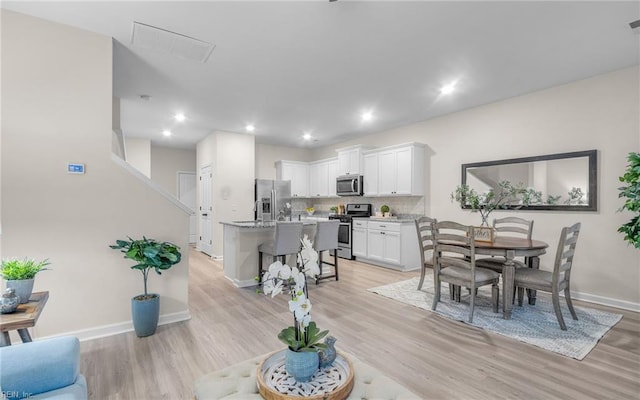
[(73, 168)]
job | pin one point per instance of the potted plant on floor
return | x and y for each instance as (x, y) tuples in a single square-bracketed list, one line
[(631, 193), (148, 254), (20, 275)]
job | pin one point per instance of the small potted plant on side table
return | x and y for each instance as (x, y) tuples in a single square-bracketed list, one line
[(147, 253), (20, 275)]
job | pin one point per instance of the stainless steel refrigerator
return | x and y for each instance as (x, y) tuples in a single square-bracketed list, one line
[(272, 200)]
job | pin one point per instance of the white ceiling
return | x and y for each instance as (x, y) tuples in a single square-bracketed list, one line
[(291, 67)]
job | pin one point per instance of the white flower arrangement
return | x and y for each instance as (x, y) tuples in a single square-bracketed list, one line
[(281, 278)]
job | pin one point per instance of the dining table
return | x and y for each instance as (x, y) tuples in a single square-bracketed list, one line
[(510, 248)]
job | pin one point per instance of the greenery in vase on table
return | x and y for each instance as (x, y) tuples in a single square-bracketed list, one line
[(304, 335), (507, 195)]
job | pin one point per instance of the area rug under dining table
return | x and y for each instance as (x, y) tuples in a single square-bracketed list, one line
[(536, 325)]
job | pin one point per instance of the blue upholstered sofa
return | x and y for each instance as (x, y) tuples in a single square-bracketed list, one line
[(44, 369)]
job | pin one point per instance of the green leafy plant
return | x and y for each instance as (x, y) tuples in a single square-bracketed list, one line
[(631, 193), (507, 195), (148, 254), (15, 269), (384, 208)]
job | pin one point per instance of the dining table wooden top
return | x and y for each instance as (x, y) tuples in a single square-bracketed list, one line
[(512, 243)]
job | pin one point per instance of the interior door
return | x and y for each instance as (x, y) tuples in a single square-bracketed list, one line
[(205, 240), (187, 196)]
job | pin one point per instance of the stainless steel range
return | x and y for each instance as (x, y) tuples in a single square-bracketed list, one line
[(346, 227)]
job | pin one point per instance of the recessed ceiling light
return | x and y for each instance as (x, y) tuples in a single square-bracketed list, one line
[(367, 116), (448, 88), (180, 117), (166, 132), (306, 136), (250, 128)]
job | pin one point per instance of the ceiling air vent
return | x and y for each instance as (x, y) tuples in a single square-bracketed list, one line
[(162, 40)]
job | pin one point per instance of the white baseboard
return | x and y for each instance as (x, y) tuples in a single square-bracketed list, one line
[(121, 327), (216, 257), (385, 265), (242, 284), (606, 301)]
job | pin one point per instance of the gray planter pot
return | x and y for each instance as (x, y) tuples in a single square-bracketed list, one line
[(145, 314), (23, 288)]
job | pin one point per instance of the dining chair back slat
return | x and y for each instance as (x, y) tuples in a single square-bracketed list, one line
[(424, 229), (451, 239), (557, 280)]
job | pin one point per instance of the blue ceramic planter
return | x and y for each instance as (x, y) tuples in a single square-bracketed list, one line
[(301, 365), (145, 315)]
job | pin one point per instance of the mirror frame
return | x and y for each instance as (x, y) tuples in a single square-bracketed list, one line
[(592, 201)]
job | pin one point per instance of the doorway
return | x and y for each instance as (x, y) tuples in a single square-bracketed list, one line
[(205, 239)]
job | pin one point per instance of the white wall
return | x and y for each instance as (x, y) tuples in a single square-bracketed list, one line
[(138, 154), (267, 155), (232, 157), (597, 113), (56, 107), (166, 162)]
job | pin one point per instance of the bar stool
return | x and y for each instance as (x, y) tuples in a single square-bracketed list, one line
[(327, 239), (286, 241)]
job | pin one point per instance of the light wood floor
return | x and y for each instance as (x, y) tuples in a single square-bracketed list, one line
[(434, 357)]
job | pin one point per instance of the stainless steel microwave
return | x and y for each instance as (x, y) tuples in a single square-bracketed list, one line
[(349, 185)]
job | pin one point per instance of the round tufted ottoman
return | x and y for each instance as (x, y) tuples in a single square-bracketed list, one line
[(239, 382)]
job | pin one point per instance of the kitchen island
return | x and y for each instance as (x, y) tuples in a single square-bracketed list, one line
[(240, 248)]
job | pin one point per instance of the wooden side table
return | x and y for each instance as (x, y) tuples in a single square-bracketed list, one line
[(25, 316)]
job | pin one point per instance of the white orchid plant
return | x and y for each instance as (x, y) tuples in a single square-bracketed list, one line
[(304, 335)]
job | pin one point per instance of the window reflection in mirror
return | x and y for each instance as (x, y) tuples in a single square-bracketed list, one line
[(566, 181)]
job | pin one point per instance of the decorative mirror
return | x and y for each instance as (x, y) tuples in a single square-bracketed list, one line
[(565, 181)]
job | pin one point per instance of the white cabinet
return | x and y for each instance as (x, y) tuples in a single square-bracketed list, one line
[(388, 244), (350, 160), (322, 178), (401, 170), (319, 179), (297, 173), (370, 174), (315, 179), (383, 242), (333, 174), (359, 238)]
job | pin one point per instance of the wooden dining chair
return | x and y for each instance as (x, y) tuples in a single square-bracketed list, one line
[(556, 280), (424, 228), (455, 263), (507, 227)]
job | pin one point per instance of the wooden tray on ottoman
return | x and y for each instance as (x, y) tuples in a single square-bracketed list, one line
[(330, 383)]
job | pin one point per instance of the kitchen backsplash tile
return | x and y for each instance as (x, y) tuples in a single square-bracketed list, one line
[(408, 205)]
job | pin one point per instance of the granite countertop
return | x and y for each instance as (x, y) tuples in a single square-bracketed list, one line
[(260, 224)]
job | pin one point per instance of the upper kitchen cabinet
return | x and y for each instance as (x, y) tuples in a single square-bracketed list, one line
[(350, 160), (322, 177), (370, 174), (296, 172), (401, 170), (332, 167)]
